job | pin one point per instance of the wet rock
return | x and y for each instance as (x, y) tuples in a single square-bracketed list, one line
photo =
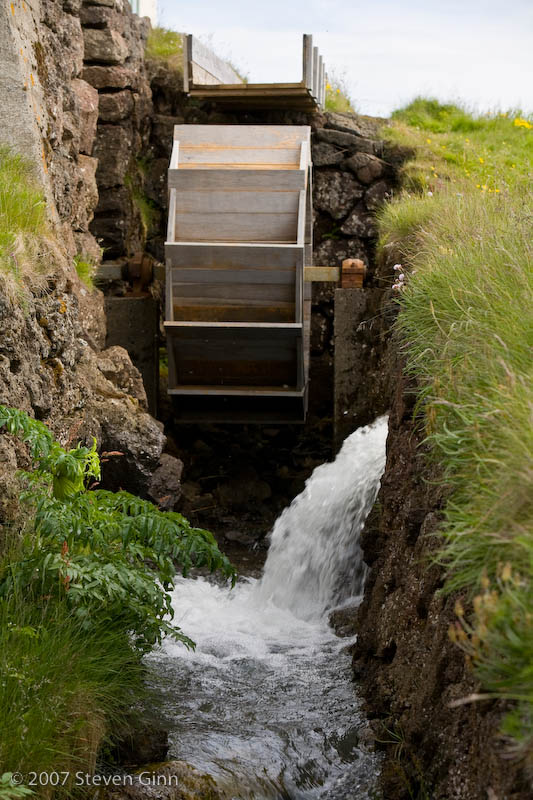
[(175, 780), (116, 106), (165, 486), (325, 155), (86, 99), (344, 621), (146, 746), (105, 46), (240, 492), (368, 168), (335, 192)]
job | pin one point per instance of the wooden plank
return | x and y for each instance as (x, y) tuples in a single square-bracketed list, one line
[(308, 61), (300, 224), (322, 274), (220, 301), (232, 391), (174, 158), (320, 73), (322, 98), (236, 227), (280, 312), (232, 256), (246, 179), (236, 373), (187, 58), (238, 156), (237, 202), (270, 136), (315, 72), (171, 227), (256, 329), (230, 293), (261, 276), (240, 349), (219, 71)]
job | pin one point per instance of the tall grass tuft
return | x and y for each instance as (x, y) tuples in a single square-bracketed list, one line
[(26, 244), (465, 238), (61, 689)]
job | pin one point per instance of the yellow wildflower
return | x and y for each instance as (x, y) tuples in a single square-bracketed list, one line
[(481, 160), (428, 141), (328, 85)]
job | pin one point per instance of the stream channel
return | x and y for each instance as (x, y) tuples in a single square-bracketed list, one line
[(266, 703)]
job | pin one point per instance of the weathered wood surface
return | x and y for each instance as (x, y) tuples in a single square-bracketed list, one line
[(206, 76), (237, 313), (202, 66)]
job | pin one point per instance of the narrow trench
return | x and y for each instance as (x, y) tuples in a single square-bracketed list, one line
[(266, 704)]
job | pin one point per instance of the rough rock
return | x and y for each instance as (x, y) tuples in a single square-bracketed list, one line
[(332, 252), (113, 149), (111, 77), (116, 106), (92, 16), (104, 45), (368, 168), (87, 113), (377, 194), (350, 142), (86, 198), (325, 155), (335, 192), (165, 485), (360, 224), (115, 364)]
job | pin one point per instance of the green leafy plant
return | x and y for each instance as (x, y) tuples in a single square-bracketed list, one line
[(10, 790), (110, 556)]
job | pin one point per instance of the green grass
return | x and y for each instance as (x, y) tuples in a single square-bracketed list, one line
[(167, 46), (337, 96), (25, 238), (61, 689), (463, 231), (85, 267)]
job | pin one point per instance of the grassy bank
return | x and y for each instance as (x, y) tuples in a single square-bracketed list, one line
[(463, 231), (85, 583)]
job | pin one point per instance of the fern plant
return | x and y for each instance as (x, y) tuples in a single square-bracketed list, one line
[(111, 556)]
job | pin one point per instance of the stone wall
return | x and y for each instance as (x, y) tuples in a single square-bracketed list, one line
[(52, 358), (114, 41)]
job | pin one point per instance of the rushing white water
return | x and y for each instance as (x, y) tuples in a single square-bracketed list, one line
[(265, 703)]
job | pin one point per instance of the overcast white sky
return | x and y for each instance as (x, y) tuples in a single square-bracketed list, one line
[(479, 51)]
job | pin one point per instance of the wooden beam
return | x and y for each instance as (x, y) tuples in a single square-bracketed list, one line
[(322, 274)]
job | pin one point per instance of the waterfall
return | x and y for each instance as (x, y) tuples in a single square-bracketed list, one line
[(265, 703), (315, 559)]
